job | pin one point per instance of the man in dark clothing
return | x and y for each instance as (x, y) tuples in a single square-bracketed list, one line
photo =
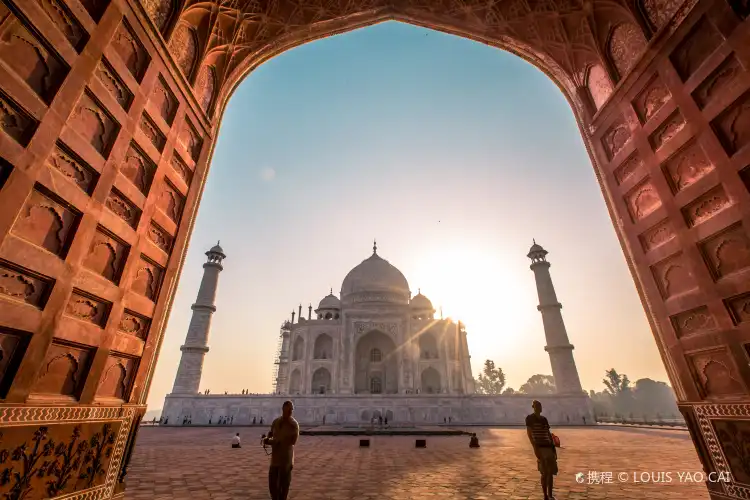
[(537, 429), (282, 438)]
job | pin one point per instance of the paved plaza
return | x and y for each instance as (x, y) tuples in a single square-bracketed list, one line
[(198, 464)]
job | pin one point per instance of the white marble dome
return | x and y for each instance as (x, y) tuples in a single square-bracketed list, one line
[(375, 274), (420, 302), (330, 301)]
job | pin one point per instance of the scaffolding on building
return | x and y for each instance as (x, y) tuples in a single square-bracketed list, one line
[(279, 376)]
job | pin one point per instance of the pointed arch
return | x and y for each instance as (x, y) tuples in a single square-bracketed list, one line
[(430, 381), (323, 348), (321, 381), (295, 382), (624, 48), (599, 85), (298, 349)]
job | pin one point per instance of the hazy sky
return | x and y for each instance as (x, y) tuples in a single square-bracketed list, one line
[(454, 155)]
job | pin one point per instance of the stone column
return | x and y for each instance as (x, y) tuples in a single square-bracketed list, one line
[(559, 348), (188, 378)]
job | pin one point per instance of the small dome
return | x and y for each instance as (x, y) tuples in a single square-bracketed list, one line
[(374, 274), (419, 301), (536, 248), (330, 301), (217, 248)]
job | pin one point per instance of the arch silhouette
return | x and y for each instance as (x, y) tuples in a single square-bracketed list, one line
[(321, 381), (323, 347), (431, 383)]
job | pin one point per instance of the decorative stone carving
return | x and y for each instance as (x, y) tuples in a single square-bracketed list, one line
[(673, 276), (362, 327), (131, 51), (687, 166), (123, 208), (642, 200), (693, 51), (697, 320), (64, 370), (626, 44), (160, 237), (65, 22), (733, 438), (88, 308), (706, 206), (651, 100), (23, 285), (205, 87), (733, 125), (152, 132), (633, 166), (739, 308), (134, 324), (164, 100), (94, 124), (670, 128), (117, 378), (190, 140), (727, 252), (138, 168), (107, 75), (182, 170), (599, 85), (657, 235), (615, 139), (159, 11), (171, 201), (184, 48), (658, 12), (72, 167), (12, 345), (107, 255), (16, 122), (47, 221), (147, 279), (715, 373), (28, 57), (722, 80)]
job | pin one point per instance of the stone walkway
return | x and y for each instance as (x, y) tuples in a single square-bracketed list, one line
[(198, 464)]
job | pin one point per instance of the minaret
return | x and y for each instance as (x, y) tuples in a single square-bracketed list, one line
[(188, 376), (559, 348)]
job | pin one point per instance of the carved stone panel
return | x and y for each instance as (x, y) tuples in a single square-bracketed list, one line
[(687, 166), (626, 44), (59, 14), (123, 208), (138, 168), (134, 324), (727, 252), (148, 277), (23, 285), (94, 124), (715, 373), (182, 170), (616, 138), (739, 308), (64, 370), (184, 48), (733, 125), (633, 166), (190, 140), (109, 79), (12, 346), (733, 436), (71, 166), (706, 206), (152, 132), (55, 460), (107, 255), (599, 84), (697, 320), (47, 221), (86, 307), (117, 377), (160, 237), (15, 121), (164, 100), (205, 87), (673, 276), (159, 11), (658, 12), (131, 51), (171, 201), (667, 130), (651, 100), (658, 235), (700, 43), (29, 58), (722, 80), (642, 200)]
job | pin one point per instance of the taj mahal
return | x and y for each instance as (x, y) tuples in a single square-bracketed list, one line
[(374, 351)]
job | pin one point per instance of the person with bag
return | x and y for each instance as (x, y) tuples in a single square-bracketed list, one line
[(543, 443)]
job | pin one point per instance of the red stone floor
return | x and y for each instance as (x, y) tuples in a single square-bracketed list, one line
[(198, 464)]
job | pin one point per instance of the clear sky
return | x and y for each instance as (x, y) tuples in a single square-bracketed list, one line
[(454, 155)]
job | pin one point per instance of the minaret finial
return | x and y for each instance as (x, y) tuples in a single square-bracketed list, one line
[(419, 291), (331, 290), (218, 242), (374, 246), (533, 240)]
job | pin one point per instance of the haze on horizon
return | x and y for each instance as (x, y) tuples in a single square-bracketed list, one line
[(454, 155)]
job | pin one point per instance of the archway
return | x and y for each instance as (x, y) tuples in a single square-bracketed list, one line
[(428, 346), (298, 349), (375, 364), (430, 380), (655, 122), (323, 348), (295, 382), (321, 381)]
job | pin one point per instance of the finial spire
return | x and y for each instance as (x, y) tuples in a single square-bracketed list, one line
[(374, 246), (533, 240), (218, 242), (419, 291)]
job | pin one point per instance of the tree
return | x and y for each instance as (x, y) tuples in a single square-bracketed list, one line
[(509, 391), (653, 397), (491, 380), (616, 384), (539, 385)]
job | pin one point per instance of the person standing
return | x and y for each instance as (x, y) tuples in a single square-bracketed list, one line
[(282, 438), (236, 441), (540, 436)]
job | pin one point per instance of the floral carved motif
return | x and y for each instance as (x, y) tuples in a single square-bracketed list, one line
[(728, 251), (72, 167), (657, 236), (667, 131), (722, 80), (599, 84), (63, 371), (362, 328), (182, 170), (152, 132), (643, 200), (134, 324), (688, 166), (138, 169), (615, 139), (715, 373), (184, 48), (106, 255), (190, 140), (160, 237), (46, 222), (94, 124), (107, 76), (171, 201), (700, 43), (739, 308), (659, 12), (673, 276), (625, 47), (651, 100), (130, 50), (148, 279), (87, 308), (159, 11), (123, 208), (205, 87), (164, 100), (694, 321), (631, 167), (18, 284), (706, 206), (734, 439), (64, 21), (15, 122), (733, 125)]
